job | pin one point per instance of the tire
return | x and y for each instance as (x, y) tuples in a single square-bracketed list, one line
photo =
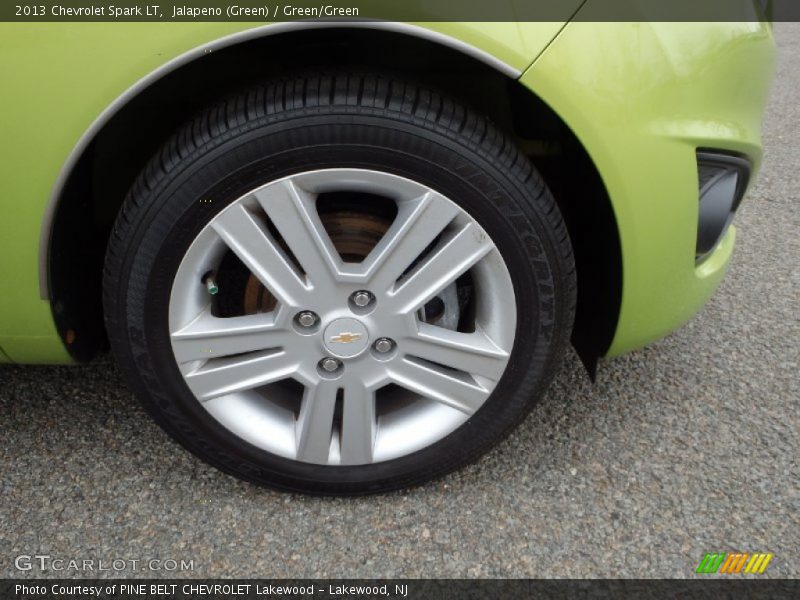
[(343, 125)]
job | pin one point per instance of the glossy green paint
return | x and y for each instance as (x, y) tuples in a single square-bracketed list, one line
[(58, 78), (642, 97)]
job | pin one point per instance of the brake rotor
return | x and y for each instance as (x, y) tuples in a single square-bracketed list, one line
[(354, 234)]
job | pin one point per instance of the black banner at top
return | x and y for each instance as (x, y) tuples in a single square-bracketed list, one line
[(271, 11)]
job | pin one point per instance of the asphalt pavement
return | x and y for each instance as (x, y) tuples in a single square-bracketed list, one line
[(686, 447)]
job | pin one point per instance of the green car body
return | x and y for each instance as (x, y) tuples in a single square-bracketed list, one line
[(641, 99)]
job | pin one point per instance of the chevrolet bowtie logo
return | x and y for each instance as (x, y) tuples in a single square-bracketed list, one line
[(346, 337)]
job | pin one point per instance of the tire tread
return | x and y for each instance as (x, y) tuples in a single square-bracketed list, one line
[(336, 92)]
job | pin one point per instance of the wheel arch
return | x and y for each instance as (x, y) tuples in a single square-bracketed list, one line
[(172, 67), (93, 181)]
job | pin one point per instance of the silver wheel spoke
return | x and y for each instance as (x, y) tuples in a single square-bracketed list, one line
[(473, 352), (212, 337), (315, 425), (257, 249), (237, 374), (418, 223), (448, 387), (328, 362), (447, 262), (358, 424), (294, 213)]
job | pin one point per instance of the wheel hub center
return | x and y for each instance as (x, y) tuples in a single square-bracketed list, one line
[(346, 337)]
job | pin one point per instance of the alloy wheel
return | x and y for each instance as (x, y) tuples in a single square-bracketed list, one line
[(342, 316)]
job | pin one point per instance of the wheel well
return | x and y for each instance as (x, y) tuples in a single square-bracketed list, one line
[(96, 187)]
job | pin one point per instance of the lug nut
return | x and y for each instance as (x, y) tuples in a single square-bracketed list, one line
[(362, 298), (329, 364), (306, 318), (383, 345)]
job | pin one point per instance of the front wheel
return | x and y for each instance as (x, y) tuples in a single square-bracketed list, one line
[(339, 284)]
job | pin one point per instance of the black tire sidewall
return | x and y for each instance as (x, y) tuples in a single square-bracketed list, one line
[(206, 182)]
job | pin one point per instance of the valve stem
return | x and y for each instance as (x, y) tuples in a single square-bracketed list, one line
[(211, 285)]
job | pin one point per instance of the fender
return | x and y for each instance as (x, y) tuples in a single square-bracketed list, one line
[(513, 70), (70, 80)]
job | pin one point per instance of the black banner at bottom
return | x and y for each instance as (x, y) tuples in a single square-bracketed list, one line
[(433, 589)]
